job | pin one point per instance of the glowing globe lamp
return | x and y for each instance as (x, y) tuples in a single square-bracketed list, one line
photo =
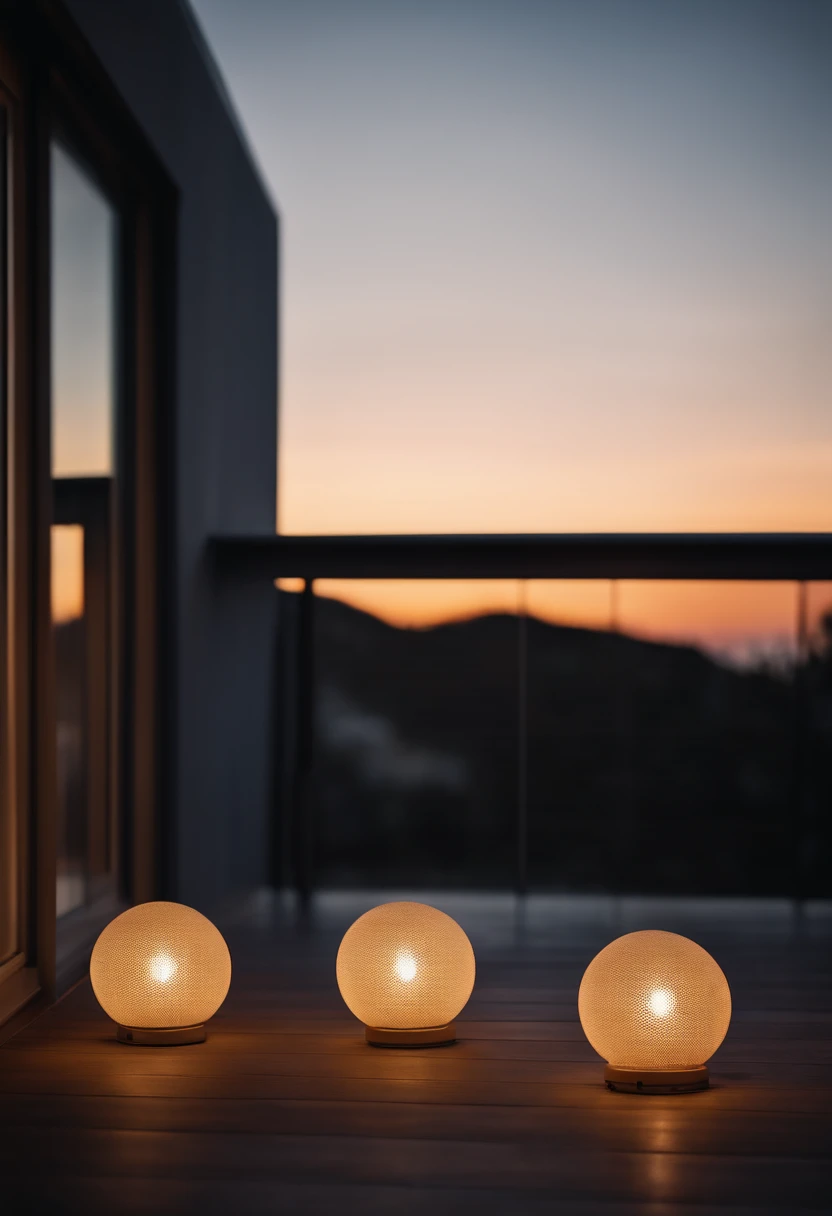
[(406, 970), (656, 1006), (160, 970)]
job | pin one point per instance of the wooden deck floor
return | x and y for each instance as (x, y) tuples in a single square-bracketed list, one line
[(285, 1110)]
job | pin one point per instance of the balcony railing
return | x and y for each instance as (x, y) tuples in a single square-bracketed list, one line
[(765, 556), (517, 752)]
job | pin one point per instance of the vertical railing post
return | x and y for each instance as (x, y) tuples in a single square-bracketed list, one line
[(800, 748), (522, 833), (301, 838), (281, 760)]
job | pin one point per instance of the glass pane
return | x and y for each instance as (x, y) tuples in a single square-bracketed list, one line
[(83, 537), (653, 737), (662, 750), (415, 746), (83, 323)]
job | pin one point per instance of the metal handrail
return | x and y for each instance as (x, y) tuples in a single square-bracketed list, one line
[(777, 556)]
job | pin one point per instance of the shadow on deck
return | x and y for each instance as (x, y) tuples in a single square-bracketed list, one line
[(286, 1110)]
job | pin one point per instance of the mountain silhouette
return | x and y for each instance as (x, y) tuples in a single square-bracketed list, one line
[(649, 767)]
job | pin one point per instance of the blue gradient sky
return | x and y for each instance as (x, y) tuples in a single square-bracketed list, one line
[(546, 266)]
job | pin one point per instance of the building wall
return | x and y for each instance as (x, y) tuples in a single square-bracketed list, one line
[(225, 443)]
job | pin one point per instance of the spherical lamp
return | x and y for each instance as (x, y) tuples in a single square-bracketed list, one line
[(656, 1006), (160, 970), (406, 971)]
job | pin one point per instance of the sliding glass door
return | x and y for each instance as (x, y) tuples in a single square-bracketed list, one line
[(85, 549), (85, 546)]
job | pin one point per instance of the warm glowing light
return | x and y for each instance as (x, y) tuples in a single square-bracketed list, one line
[(406, 968), (159, 969), (655, 1003), (738, 619), (162, 967), (660, 1002)]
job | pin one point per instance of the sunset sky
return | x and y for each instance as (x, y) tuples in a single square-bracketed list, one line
[(548, 265), (83, 323)]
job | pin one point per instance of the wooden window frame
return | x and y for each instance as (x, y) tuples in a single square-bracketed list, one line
[(19, 979), (58, 90)]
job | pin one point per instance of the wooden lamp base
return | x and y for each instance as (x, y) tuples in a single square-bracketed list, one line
[(175, 1036), (656, 1081), (428, 1036)]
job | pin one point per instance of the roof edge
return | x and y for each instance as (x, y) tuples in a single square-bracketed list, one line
[(212, 66)]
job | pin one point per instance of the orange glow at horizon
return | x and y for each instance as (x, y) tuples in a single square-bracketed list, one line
[(739, 618), (67, 572), (416, 487)]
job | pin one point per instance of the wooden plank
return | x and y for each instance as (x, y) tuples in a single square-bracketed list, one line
[(138, 1196), (736, 1097), (669, 1177), (510, 1065), (511, 1044), (645, 1128)]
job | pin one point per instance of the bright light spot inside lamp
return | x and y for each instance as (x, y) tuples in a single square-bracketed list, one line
[(656, 1006), (660, 1002), (160, 970), (162, 967), (406, 970)]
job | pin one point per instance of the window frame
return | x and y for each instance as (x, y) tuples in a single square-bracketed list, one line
[(59, 91), (78, 928), (19, 976)]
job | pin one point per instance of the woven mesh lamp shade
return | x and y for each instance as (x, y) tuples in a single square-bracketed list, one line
[(406, 970), (656, 1006), (160, 970)]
